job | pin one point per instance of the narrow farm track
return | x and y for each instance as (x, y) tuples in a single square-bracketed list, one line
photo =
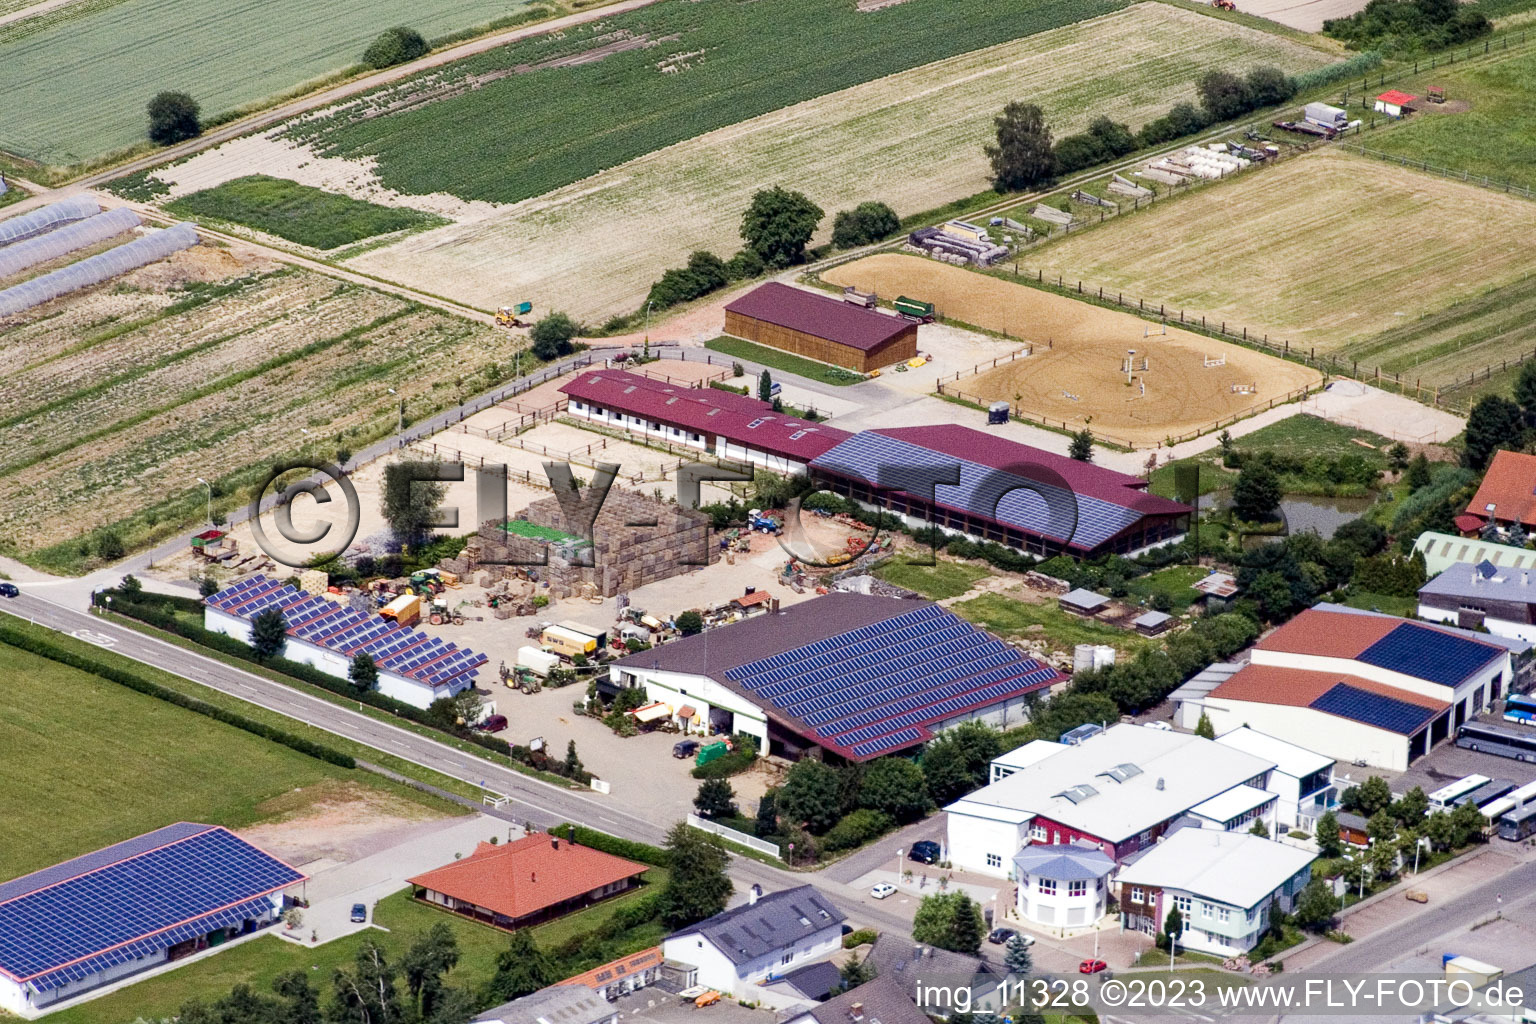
[(33, 10)]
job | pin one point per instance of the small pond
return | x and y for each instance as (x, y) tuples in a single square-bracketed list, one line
[(1303, 512)]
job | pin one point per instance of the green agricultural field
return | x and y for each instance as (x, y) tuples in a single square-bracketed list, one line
[(299, 213), (520, 120), (1043, 620), (401, 921), (76, 79), (1495, 138), (89, 763)]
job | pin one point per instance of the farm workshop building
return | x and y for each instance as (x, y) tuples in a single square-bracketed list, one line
[(1117, 791), (820, 327), (413, 667), (855, 675), (988, 488), (131, 907), (721, 423), (532, 879), (1360, 686)]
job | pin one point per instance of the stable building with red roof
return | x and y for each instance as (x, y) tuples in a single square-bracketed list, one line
[(1395, 103), (532, 879), (820, 327)]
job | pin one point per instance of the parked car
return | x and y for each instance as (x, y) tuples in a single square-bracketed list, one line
[(882, 890), (494, 723), (1092, 967), (1159, 726), (359, 913), (9, 590), (926, 851), (685, 748), (1001, 935)]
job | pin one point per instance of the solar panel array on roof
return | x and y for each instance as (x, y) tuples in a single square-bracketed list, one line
[(402, 650), (74, 927), (1044, 509), (1383, 712), (1429, 654), (882, 686)]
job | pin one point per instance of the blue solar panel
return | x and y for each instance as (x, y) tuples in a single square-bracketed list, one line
[(1042, 509), (904, 738), (130, 900), (1399, 716), (1429, 654)]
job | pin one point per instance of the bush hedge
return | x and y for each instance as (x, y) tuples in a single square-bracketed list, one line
[(133, 681), (629, 849)]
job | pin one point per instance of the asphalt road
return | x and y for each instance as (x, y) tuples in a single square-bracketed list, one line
[(541, 802)]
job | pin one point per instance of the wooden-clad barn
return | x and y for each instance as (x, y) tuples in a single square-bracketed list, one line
[(820, 327)]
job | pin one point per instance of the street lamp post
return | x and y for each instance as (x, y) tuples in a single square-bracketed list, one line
[(898, 866), (208, 485), (400, 418), (1173, 949)]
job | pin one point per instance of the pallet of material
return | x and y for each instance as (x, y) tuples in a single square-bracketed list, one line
[(946, 245), (1050, 214), (1009, 222), (1126, 187), (1092, 200), (1162, 176)]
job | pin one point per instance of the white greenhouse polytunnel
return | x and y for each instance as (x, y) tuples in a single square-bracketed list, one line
[(16, 258), (47, 218), (156, 245)]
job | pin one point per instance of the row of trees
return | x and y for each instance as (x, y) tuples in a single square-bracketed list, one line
[(1024, 155), (1410, 26)]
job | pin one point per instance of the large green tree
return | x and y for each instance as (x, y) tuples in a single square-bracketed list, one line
[(550, 338), (1023, 156), (811, 796), (866, 223), (1222, 94), (949, 920), (1329, 843), (173, 117), (1017, 957), (715, 799), (368, 993), (425, 963), (521, 968), (1525, 391), (778, 225), (269, 633), (363, 673), (1495, 422), (896, 786), (698, 886), (1256, 494), (395, 46), (409, 503), (1316, 906)]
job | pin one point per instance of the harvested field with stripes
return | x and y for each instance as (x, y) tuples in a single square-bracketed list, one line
[(204, 365), (1328, 249), (912, 140), (1077, 370)]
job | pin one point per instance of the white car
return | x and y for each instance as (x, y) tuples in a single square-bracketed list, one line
[(882, 890), (1159, 726)]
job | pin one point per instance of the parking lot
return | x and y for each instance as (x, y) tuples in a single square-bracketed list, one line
[(1448, 763)]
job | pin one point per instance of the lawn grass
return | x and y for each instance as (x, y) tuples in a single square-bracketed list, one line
[(1010, 617), (788, 362), (89, 763), (256, 713), (946, 578), (1496, 138), (299, 213), (1176, 581), (1300, 436), (1404, 607), (259, 961)]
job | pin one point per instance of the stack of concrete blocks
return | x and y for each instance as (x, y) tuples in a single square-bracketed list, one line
[(621, 558)]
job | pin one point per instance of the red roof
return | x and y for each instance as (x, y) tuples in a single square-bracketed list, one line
[(819, 315), (209, 535), (737, 418), (616, 970), (1469, 523), (1274, 684), (1000, 453), (524, 877), (1396, 98), (1329, 634), (755, 598), (1510, 487)]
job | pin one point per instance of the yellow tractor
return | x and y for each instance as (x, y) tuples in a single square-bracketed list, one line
[(507, 316)]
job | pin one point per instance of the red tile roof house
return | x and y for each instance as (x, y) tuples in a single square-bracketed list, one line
[(1506, 496), (533, 879)]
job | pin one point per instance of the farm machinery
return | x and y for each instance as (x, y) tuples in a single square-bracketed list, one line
[(520, 677), (761, 522), (511, 316)]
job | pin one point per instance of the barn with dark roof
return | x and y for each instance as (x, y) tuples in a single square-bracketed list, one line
[(820, 327)]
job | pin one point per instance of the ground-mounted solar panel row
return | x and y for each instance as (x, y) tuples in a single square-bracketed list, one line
[(347, 631)]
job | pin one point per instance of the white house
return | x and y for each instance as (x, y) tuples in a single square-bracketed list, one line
[(1117, 791), (766, 936), (1302, 780), (1061, 885), (1221, 883)]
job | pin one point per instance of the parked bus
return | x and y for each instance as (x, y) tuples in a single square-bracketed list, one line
[(1495, 739), (1487, 793), (1518, 824), (1503, 805), (1519, 716), (1520, 702), (1449, 796)]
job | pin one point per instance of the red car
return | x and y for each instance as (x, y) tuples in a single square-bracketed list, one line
[(1092, 967)]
